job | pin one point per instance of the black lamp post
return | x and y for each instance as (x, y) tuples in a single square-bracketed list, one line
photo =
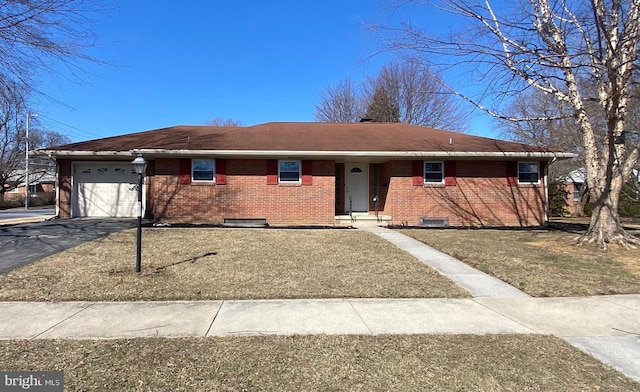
[(140, 166)]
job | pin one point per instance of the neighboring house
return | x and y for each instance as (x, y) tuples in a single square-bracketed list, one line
[(574, 186), (39, 183), (308, 174)]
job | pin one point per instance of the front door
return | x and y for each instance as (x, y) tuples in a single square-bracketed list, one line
[(357, 187)]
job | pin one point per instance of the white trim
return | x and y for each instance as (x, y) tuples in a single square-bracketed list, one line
[(213, 180), (301, 154), (299, 180), (424, 173), (58, 190), (527, 182)]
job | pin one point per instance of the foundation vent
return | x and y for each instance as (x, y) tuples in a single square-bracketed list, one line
[(434, 222)]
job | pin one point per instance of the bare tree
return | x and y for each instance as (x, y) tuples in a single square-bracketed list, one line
[(13, 112), (415, 95), (551, 46), (341, 102), (35, 34), (401, 92), (559, 131), (224, 122)]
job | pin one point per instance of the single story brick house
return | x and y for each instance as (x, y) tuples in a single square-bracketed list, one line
[(307, 174)]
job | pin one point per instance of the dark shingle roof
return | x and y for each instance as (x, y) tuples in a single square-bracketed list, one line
[(301, 137)]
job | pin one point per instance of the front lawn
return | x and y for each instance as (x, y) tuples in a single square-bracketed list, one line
[(216, 263), (542, 263), (319, 363)]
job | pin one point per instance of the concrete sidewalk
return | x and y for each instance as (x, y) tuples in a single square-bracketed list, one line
[(617, 315), (606, 327)]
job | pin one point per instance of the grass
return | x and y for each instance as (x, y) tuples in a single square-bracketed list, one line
[(319, 363), (542, 263), (206, 264)]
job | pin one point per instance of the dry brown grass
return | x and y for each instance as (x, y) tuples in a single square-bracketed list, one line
[(319, 363), (204, 264), (543, 263)]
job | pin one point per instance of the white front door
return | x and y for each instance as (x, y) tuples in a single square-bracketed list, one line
[(357, 187)]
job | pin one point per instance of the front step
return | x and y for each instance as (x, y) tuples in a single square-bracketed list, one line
[(362, 220)]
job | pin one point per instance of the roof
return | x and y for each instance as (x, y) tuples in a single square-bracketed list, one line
[(304, 139), (37, 177), (579, 175)]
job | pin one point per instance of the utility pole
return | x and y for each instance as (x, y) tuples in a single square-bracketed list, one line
[(26, 173)]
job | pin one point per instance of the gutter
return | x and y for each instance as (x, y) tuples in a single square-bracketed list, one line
[(97, 155)]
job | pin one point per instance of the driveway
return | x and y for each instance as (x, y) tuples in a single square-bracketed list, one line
[(23, 244)]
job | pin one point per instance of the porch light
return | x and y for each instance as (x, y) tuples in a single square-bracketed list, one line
[(140, 166)]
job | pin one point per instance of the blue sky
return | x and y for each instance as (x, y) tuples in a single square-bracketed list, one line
[(192, 61)]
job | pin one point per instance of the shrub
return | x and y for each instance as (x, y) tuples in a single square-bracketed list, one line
[(557, 199)]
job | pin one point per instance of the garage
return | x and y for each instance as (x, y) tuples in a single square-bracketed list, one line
[(104, 189)]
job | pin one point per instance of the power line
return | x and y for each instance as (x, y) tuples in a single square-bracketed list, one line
[(71, 126)]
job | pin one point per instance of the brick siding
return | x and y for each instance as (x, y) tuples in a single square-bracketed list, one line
[(245, 195), (481, 195)]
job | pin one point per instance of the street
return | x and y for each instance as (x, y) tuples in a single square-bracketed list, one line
[(17, 213)]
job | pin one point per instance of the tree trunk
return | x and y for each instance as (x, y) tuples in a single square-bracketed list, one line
[(605, 227), (581, 203)]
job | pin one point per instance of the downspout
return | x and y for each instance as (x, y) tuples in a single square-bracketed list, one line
[(546, 191)]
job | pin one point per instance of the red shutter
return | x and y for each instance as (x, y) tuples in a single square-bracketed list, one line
[(272, 172), (307, 170), (221, 171), (184, 176), (512, 173), (450, 173), (418, 173)]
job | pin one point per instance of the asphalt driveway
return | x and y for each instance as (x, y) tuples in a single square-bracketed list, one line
[(23, 244)]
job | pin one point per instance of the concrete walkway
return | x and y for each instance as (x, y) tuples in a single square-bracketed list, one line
[(606, 327), (474, 281)]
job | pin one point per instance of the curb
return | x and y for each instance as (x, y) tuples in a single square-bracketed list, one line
[(17, 221)]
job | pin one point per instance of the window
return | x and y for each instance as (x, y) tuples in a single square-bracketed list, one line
[(528, 172), (203, 170), (289, 172), (577, 187), (433, 173)]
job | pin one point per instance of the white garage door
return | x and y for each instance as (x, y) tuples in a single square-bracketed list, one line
[(105, 190)]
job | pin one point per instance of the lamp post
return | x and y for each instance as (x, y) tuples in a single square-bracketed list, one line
[(140, 166), (26, 161)]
